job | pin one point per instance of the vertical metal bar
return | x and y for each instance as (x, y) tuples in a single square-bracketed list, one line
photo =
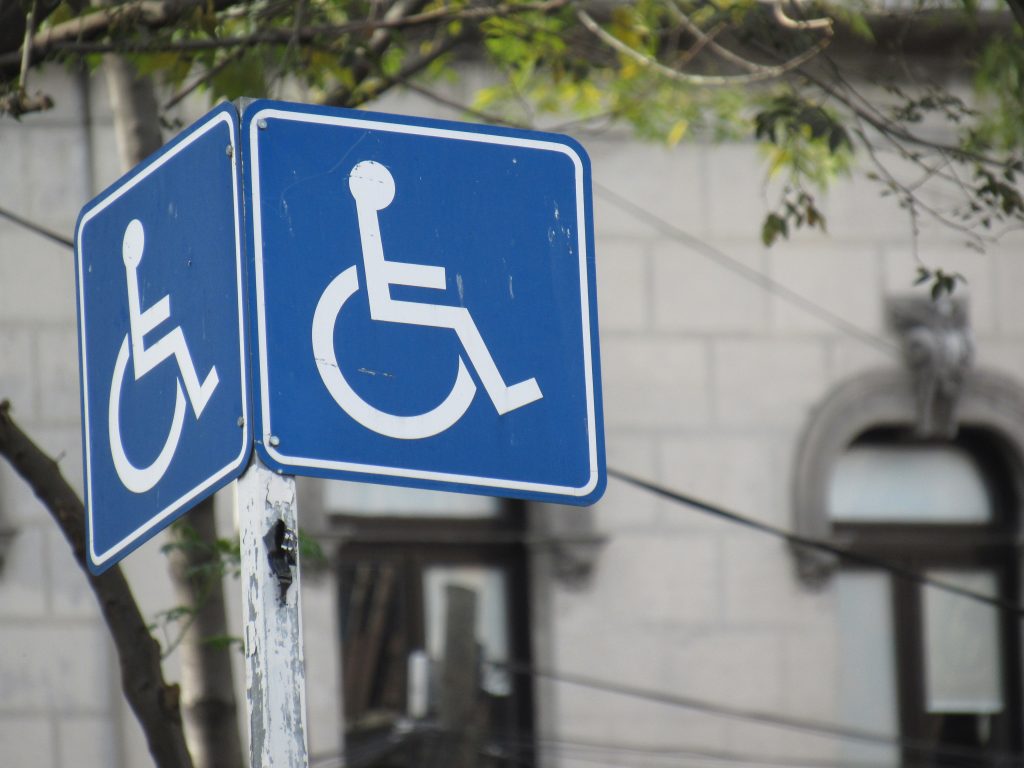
[(274, 670)]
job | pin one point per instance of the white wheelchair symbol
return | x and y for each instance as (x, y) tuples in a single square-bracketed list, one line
[(373, 189), (145, 359)]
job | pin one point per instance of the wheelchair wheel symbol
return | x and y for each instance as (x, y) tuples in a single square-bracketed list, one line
[(145, 356), (373, 189), (140, 479), (427, 424)]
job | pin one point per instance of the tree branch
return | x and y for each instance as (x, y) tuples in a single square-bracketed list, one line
[(1017, 8), (208, 697), (648, 62), (154, 702), (82, 34), (370, 87), (366, 55), (707, 40), (888, 128)]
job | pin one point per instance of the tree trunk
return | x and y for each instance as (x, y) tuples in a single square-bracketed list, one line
[(208, 695), (207, 685), (136, 115), (154, 702)]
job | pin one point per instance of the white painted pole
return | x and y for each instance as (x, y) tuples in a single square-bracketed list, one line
[(275, 677)]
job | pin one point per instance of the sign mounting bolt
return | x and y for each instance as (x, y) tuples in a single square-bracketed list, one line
[(229, 151), (261, 124), (274, 440)]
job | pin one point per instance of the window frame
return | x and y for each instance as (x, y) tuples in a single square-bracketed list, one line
[(991, 417), (419, 543)]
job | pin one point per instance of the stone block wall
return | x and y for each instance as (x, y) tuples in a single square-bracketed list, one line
[(710, 371), (711, 367)]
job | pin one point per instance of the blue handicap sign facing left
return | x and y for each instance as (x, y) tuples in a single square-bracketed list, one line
[(424, 303), (162, 338)]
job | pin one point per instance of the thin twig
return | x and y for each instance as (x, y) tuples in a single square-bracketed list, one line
[(26, 48), (649, 62), (888, 128), (705, 39), (485, 117), (914, 203), (202, 79), (409, 69), (791, 23), (77, 35)]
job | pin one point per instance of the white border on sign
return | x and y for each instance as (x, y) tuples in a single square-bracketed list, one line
[(261, 335), (99, 559)]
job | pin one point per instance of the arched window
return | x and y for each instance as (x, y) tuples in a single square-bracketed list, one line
[(946, 510), (932, 668)]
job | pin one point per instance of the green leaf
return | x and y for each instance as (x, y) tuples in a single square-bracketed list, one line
[(774, 225), (677, 132), (222, 642)]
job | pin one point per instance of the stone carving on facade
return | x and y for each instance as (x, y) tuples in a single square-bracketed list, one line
[(938, 351), (938, 348)]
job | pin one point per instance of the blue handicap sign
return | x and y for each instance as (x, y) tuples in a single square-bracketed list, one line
[(424, 303), (162, 338)]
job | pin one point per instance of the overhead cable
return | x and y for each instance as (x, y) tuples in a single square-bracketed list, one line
[(39, 229), (739, 268), (807, 542), (815, 727), (571, 747)]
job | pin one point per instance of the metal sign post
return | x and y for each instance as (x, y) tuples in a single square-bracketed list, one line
[(275, 679)]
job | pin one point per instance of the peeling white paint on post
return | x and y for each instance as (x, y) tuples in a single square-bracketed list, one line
[(274, 670)]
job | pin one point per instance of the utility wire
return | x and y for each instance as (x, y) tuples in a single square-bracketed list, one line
[(747, 273), (39, 229), (669, 756), (807, 542), (818, 728), (666, 228), (569, 746)]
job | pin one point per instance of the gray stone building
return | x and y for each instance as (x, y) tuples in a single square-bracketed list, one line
[(642, 631)]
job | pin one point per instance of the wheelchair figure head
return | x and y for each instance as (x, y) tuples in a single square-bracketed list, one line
[(372, 184), (133, 244)]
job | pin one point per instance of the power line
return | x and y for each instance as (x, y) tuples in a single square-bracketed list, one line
[(664, 227), (675, 752), (747, 273), (822, 546), (39, 229), (815, 727)]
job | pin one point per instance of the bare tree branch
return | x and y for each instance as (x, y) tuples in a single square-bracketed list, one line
[(83, 34), (790, 23), (707, 40), (366, 56), (370, 87), (892, 129), (1017, 8), (465, 109), (648, 62), (154, 702), (26, 48), (204, 78)]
